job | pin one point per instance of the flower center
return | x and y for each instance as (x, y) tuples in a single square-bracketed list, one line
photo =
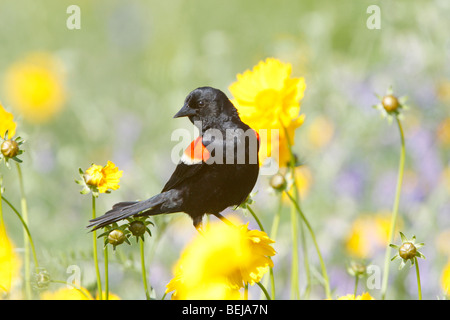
[(94, 178)]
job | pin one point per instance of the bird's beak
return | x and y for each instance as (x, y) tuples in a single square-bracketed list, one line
[(185, 112)]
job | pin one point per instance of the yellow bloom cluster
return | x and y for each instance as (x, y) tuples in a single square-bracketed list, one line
[(368, 233), (103, 178), (10, 262), (445, 279), (67, 294), (220, 261), (6, 123), (364, 296), (268, 98), (35, 86)]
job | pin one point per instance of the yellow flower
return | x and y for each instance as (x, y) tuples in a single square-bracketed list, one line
[(208, 290), (10, 262), (6, 123), (368, 233), (445, 279), (111, 296), (35, 86), (364, 296), (268, 98), (103, 178), (217, 263), (67, 294)]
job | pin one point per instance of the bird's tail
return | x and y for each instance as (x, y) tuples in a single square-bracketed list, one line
[(124, 210)]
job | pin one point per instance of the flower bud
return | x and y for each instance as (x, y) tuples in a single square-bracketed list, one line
[(356, 269), (390, 103), (92, 180), (88, 179), (137, 228), (278, 182), (42, 279), (10, 148), (116, 237), (407, 251)]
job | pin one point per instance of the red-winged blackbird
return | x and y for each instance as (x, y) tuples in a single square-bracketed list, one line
[(218, 169)]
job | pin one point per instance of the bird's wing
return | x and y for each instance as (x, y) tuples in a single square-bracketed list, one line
[(192, 161)]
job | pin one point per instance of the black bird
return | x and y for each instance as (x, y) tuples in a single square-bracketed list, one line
[(218, 170)]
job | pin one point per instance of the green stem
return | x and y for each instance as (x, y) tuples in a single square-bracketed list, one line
[(303, 241), (419, 288), (94, 246), (273, 235), (272, 283), (322, 264), (105, 251), (356, 286), (26, 243), (256, 218), (246, 291), (276, 219), (387, 257), (27, 231), (295, 294), (292, 165), (2, 221), (264, 290), (144, 274)]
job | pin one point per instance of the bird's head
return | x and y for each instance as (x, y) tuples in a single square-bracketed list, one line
[(209, 106)]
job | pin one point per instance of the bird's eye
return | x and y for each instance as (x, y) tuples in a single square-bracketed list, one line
[(201, 103)]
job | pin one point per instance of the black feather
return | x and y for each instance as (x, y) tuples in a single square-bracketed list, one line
[(124, 210)]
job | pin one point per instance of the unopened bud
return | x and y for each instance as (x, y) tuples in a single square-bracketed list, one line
[(137, 228), (356, 269), (278, 182), (116, 237), (10, 148), (407, 251), (390, 103), (42, 279)]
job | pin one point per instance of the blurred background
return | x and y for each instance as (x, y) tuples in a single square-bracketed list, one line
[(110, 89)]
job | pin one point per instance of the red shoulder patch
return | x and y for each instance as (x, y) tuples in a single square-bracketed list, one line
[(195, 153), (257, 134)]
